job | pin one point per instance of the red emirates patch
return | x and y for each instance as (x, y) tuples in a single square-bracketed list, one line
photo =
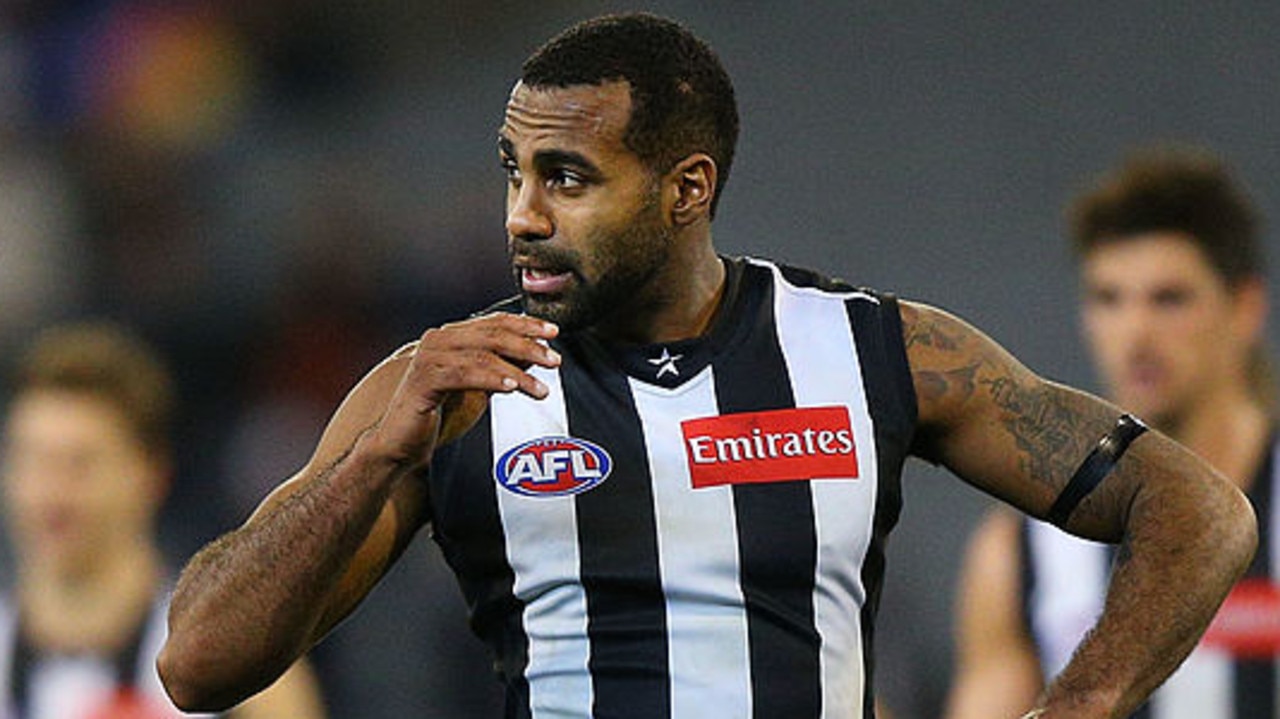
[(775, 446), (1248, 623)]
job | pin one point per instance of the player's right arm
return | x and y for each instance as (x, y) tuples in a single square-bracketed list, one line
[(253, 601), (997, 673), (1185, 532)]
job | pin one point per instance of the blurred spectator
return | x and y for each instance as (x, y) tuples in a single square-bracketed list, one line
[(86, 466)]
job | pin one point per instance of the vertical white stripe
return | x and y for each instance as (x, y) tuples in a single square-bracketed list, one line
[(542, 548), (698, 560), (1071, 581), (813, 330), (1200, 689)]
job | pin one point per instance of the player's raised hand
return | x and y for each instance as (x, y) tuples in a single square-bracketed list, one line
[(450, 374)]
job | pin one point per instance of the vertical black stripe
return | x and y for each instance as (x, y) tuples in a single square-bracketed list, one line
[(21, 657), (777, 547), (1027, 576), (467, 526), (1254, 680), (618, 545), (877, 331), (1262, 495)]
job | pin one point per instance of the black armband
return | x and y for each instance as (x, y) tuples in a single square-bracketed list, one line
[(1097, 465)]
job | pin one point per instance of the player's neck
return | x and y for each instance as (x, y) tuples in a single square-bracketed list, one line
[(686, 307), (96, 610), (1230, 432)]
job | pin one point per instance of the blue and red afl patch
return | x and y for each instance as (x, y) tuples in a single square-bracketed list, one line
[(552, 467)]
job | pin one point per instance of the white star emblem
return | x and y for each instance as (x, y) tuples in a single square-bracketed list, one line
[(666, 363)]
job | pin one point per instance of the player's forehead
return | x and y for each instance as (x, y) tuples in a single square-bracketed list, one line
[(576, 117), (57, 411), (1150, 258)]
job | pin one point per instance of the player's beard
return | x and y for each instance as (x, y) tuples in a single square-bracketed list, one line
[(625, 263)]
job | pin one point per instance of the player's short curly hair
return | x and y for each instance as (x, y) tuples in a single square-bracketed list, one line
[(1178, 188), (681, 97)]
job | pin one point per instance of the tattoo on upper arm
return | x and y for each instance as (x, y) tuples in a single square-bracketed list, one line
[(958, 382), (929, 333), (934, 385), (1044, 423), (1044, 428), (970, 390)]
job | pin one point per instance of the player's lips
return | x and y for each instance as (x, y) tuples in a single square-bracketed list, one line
[(1144, 376), (543, 280)]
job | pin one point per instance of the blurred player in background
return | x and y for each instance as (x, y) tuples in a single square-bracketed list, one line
[(1174, 305), (86, 467)]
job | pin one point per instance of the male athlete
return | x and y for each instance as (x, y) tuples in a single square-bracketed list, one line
[(665, 477), (1174, 311)]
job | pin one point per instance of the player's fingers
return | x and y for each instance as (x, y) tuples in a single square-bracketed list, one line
[(438, 372), (519, 339), (519, 324)]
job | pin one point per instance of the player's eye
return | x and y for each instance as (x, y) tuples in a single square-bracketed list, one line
[(1173, 297), (512, 171), (566, 180), (1102, 297)]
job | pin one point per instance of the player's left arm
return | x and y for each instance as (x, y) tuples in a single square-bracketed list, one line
[(1185, 532)]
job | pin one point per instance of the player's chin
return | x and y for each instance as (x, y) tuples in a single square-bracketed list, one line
[(543, 306), (558, 309)]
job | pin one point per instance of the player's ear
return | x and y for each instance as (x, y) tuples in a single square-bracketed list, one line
[(690, 187)]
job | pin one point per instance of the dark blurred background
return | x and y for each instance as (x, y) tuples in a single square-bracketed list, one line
[(279, 193)]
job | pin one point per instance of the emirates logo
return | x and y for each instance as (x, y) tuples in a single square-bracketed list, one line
[(773, 446)]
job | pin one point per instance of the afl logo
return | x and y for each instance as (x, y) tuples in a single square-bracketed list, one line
[(553, 467)]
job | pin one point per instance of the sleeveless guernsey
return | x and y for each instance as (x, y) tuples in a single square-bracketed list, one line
[(693, 529)]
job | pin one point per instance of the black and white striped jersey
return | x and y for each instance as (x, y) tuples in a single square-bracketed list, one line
[(694, 529), (39, 684), (1230, 675)]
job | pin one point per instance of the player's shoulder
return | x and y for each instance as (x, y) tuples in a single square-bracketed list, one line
[(796, 277), (939, 338)]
